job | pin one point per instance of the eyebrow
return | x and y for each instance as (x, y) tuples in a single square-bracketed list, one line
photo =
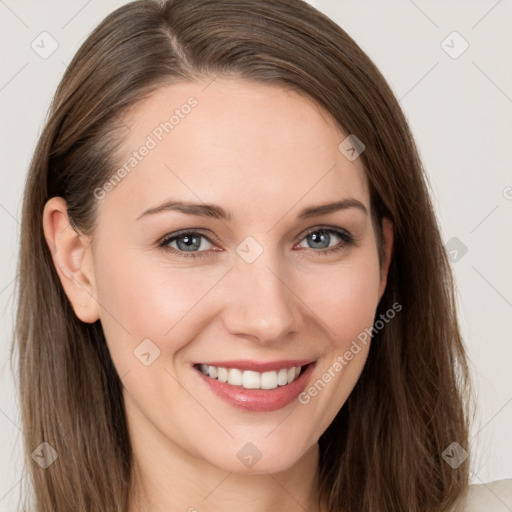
[(217, 212)]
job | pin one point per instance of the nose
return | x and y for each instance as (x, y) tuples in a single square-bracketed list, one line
[(262, 303)]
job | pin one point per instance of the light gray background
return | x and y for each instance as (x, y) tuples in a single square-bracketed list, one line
[(459, 109)]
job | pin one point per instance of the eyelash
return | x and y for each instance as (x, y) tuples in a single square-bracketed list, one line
[(348, 240)]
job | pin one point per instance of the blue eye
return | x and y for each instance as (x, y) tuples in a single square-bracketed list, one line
[(188, 244), (321, 238)]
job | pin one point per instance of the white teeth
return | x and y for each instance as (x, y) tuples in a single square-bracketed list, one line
[(235, 377), (282, 377), (222, 374), (250, 379), (268, 380)]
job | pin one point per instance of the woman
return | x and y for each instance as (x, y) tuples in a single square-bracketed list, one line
[(233, 290)]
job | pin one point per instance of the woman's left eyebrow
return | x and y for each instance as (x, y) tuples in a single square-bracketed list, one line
[(324, 209), (217, 212)]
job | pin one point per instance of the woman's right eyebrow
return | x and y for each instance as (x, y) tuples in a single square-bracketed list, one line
[(217, 212), (200, 209)]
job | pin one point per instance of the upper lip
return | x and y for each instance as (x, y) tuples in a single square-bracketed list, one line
[(258, 366)]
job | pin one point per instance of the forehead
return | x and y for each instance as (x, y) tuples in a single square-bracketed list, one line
[(233, 142)]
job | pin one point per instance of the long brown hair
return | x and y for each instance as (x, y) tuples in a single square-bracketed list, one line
[(383, 451)]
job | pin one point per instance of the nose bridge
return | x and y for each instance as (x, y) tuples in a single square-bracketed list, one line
[(263, 304)]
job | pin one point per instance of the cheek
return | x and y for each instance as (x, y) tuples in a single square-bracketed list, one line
[(344, 297), (356, 304), (347, 308), (142, 298)]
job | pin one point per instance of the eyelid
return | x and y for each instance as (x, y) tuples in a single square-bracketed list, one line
[(347, 239), (345, 235), (199, 231), (321, 227)]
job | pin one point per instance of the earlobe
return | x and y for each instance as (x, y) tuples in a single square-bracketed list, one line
[(72, 257), (387, 230)]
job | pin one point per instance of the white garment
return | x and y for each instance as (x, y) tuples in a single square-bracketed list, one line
[(491, 497)]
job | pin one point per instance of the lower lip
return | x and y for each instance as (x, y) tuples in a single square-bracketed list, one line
[(259, 400)]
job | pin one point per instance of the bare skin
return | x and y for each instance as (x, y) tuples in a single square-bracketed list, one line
[(263, 154)]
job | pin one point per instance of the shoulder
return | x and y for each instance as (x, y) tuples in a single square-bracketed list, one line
[(490, 497)]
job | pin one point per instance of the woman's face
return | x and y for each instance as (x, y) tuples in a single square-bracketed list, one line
[(251, 280)]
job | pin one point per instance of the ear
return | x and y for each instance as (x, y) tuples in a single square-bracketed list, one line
[(72, 257), (387, 230)]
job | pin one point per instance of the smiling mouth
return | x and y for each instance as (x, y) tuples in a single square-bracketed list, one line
[(249, 379)]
